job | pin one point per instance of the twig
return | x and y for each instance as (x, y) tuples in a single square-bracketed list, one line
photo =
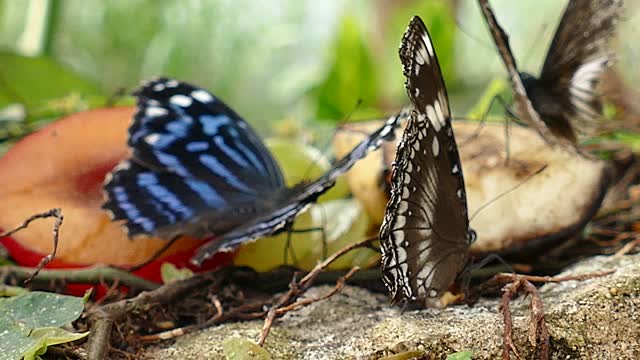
[(538, 332), (91, 275), (628, 247), (298, 288), (67, 353), (255, 310), (507, 343), (55, 213), (507, 277), (243, 312), (102, 318), (310, 277), (339, 285)]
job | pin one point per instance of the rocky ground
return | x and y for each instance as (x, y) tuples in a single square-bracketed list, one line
[(596, 318)]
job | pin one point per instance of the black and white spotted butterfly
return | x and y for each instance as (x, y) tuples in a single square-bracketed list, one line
[(563, 102), (198, 169), (425, 235)]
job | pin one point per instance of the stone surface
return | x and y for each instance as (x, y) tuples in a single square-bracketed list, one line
[(596, 318)]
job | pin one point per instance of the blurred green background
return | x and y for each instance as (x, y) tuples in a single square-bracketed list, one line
[(307, 60)]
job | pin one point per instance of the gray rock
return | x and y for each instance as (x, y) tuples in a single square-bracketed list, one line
[(592, 319)]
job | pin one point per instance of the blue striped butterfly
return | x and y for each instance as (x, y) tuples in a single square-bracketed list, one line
[(563, 103), (425, 235), (198, 169)]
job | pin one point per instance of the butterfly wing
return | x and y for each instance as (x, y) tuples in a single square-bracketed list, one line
[(576, 60), (524, 108), (300, 197), (425, 232), (195, 164)]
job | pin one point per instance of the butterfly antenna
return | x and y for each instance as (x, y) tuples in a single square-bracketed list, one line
[(515, 187), (527, 56), (478, 40), (328, 144)]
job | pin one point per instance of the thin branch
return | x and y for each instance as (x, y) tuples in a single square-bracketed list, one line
[(55, 213), (538, 332), (103, 317), (298, 288), (507, 277), (256, 310), (91, 275)]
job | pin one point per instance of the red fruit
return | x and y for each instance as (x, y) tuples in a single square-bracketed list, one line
[(63, 166)]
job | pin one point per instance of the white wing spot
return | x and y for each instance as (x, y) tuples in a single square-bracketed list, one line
[(124, 165), (403, 207), (427, 43), (151, 139), (158, 87), (431, 115), (402, 253), (435, 146), (153, 111), (202, 96), (439, 115), (171, 83), (181, 100), (423, 54), (455, 169)]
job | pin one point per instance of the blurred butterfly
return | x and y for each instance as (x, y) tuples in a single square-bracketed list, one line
[(198, 169), (425, 235), (563, 103)]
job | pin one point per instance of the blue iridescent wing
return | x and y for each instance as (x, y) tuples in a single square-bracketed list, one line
[(299, 198), (195, 165)]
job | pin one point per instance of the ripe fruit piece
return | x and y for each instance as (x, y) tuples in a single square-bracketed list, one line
[(63, 165)]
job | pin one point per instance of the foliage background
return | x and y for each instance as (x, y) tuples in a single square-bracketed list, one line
[(270, 60)]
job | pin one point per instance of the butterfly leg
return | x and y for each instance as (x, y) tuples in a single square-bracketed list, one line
[(509, 116), (325, 246), (464, 279), (155, 256), (483, 119), (288, 247)]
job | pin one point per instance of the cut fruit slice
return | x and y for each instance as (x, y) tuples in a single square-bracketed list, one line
[(553, 205)]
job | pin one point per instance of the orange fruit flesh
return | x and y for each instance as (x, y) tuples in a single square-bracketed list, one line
[(63, 166)]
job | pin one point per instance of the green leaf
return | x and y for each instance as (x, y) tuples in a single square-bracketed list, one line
[(39, 309), (237, 348), (8, 290), (460, 355), (34, 81), (351, 77), (44, 337), (170, 273), (26, 322)]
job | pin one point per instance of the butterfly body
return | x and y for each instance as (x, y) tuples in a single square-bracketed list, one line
[(425, 235), (198, 169), (551, 110), (563, 103)]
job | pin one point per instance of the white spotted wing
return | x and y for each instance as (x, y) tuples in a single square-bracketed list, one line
[(425, 234)]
